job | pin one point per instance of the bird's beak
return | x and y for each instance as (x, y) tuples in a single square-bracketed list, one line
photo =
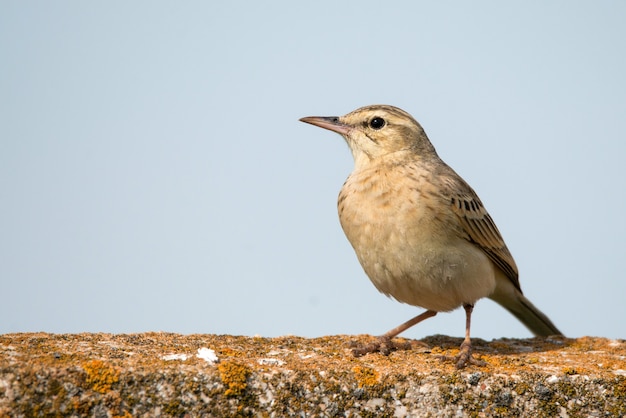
[(331, 123)]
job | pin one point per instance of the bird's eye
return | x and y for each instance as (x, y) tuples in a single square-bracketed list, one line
[(377, 123)]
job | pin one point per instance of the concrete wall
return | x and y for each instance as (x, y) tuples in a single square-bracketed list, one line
[(159, 374)]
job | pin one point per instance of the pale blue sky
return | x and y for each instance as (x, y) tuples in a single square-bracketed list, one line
[(154, 175)]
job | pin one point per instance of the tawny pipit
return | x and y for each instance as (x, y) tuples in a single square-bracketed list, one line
[(420, 232)]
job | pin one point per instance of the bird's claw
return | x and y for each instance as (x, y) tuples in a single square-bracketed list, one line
[(383, 345), (464, 357)]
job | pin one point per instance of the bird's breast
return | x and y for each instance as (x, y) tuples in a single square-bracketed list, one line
[(405, 240), (386, 217)]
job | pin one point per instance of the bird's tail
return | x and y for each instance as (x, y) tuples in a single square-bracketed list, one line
[(510, 298)]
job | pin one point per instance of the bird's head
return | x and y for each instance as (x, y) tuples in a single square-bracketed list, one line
[(375, 131)]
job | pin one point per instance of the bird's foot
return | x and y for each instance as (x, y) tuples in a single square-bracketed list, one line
[(383, 345), (464, 357)]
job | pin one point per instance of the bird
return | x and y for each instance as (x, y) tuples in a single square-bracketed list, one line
[(420, 232)]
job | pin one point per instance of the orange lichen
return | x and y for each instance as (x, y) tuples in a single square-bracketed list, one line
[(365, 376), (234, 376), (100, 376)]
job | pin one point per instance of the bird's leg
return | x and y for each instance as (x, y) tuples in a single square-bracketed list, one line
[(383, 343), (465, 352)]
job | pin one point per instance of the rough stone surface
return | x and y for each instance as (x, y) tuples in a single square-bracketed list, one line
[(161, 374)]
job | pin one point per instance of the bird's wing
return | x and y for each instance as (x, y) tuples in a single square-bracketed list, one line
[(482, 231)]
